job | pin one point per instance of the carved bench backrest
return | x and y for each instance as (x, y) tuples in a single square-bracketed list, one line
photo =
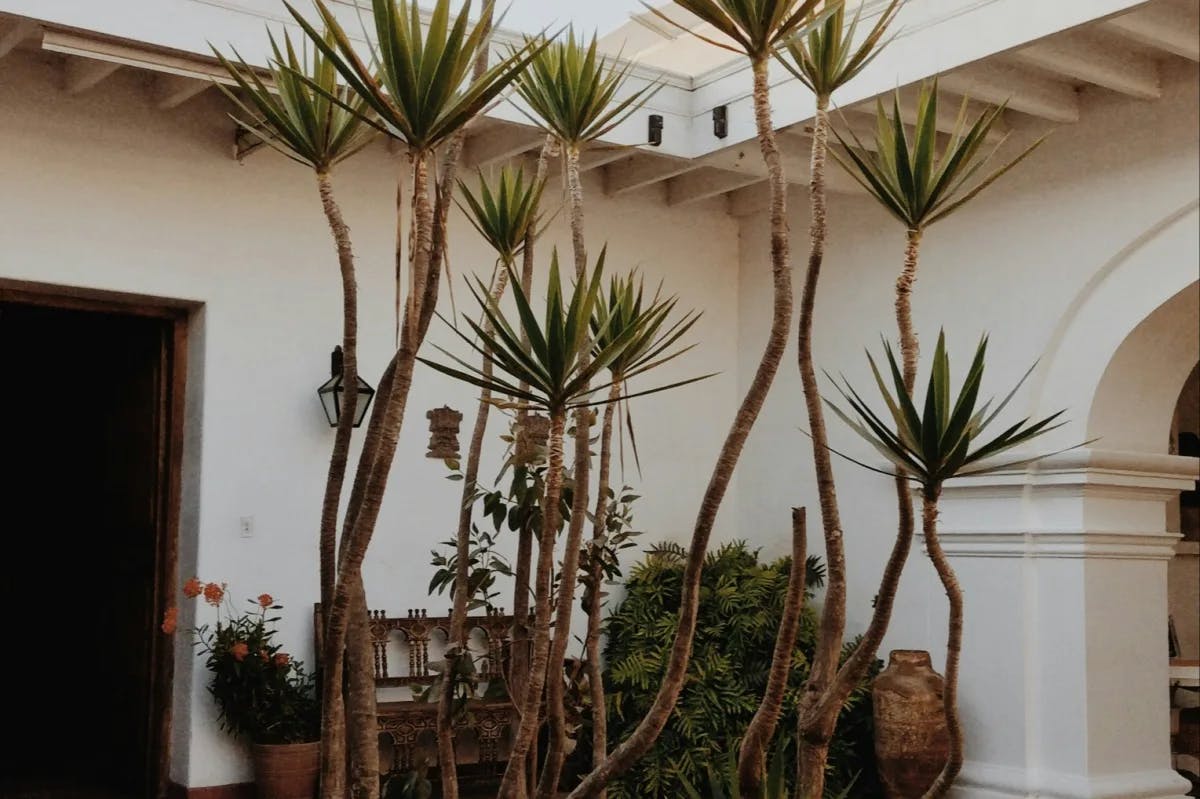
[(417, 628)]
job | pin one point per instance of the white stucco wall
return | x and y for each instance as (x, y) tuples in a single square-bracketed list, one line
[(103, 191)]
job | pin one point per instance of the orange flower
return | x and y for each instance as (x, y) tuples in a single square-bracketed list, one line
[(264, 655), (170, 621), (239, 651), (265, 600), (193, 588), (282, 659), (213, 594)]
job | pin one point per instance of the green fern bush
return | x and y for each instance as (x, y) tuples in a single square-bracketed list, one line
[(740, 606)]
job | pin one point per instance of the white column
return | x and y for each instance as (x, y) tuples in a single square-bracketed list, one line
[(1064, 686)]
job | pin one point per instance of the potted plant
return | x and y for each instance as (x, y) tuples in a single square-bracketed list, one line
[(263, 695)]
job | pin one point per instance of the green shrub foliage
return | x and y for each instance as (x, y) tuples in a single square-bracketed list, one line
[(741, 603)]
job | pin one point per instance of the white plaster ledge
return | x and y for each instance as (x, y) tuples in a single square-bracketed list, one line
[(979, 780), (1113, 470), (1061, 544)]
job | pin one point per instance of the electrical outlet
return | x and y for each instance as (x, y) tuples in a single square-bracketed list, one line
[(246, 527)]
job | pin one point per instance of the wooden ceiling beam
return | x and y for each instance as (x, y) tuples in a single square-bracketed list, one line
[(1173, 28), (1024, 90), (81, 74), (1079, 55)]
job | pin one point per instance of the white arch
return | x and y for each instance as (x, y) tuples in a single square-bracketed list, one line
[(1134, 308)]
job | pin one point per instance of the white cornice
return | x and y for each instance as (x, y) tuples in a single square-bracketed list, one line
[(934, 36)]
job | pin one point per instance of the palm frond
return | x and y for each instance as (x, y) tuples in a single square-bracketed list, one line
[(417, 79), (572, 91), (946, 439), (565, 355), (757, 27), (290, 104), (504, 211), (909, 176), (828, 57)]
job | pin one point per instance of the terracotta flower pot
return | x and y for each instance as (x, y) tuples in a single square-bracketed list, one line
[(911, 743), (287, 771)]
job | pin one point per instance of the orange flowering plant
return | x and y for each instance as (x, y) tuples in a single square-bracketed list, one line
[(262, 693)]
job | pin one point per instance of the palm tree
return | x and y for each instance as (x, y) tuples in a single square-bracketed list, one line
[(572, 92), (919, 187), (519, 667), (559, 367), (625, 308), (754, 29), (292, 109), (416, 86), (931, 447), (824, 59), (506, 215)]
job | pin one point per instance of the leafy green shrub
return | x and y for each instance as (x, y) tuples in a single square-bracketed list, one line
[(741, 603)]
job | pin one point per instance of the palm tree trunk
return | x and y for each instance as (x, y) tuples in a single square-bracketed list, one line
[(595, 599), (833, 615), (361, 723), (519, 670), (513, 784), (909, 345), (458, 647), (642, 738), (555, 690), (374, 466), (752, 759), (859, 662), (444, 196), (821, 706), (341, 443), (954, 594)]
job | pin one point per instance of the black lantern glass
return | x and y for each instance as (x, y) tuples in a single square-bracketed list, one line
[(332, 393)]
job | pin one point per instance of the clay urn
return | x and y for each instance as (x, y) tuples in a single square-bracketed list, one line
[(911, 743)]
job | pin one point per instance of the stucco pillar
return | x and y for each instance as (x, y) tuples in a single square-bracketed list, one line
[(1064, 687)]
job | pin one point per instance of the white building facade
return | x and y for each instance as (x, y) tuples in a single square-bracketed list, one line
[(121, 185)]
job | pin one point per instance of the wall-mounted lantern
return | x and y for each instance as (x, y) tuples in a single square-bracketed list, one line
[(656, 129), (721, 121), (332, 393), (443, 433)]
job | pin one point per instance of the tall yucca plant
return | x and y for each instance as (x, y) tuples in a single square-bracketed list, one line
[(824, 59), (625, 307), (300, 108), (416, 83), (944, 440), (573, 93), (505, 213), (755, 28), (559, 367), (921, 182)]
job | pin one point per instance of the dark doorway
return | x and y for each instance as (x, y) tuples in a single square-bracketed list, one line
[(87, 497)]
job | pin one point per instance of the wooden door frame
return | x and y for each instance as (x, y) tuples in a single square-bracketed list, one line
[(171, 410)]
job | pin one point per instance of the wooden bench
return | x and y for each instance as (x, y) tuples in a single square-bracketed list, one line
[(404, 722)]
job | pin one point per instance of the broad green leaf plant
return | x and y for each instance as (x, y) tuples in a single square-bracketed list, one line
[(943, 440)]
